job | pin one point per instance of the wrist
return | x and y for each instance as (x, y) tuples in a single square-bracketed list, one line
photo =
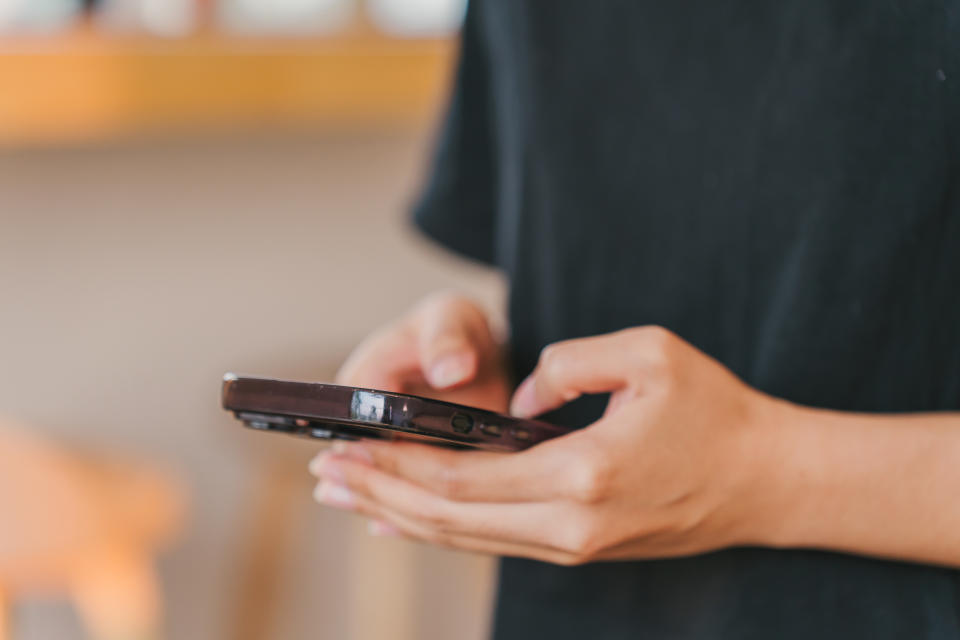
[(778, 456)]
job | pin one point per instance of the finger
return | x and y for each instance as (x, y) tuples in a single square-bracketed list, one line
[(589, 365), (386, 360), (515, 523), (382, 528), (540, 473), (330, 494), (452, 337)]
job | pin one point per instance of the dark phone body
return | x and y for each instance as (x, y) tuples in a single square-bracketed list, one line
[(330, 411)]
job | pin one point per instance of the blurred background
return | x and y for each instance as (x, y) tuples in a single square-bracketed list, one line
[(189, 187)]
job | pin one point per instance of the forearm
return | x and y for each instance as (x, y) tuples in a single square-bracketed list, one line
[(881, 485)]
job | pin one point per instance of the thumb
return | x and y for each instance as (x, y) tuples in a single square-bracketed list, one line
[(452, 337)]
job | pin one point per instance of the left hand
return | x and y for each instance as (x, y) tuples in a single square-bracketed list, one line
[(670, 469)]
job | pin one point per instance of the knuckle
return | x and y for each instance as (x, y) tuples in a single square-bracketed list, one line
[(584, 541), (592, 479), (554, 361), (656, 346), (359, 482), (434, 516), (575, 561), (591, 485), (656, 339), (380, 458), (659, 333), (449, 482)]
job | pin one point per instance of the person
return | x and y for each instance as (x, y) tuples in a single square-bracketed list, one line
[(731, 232)]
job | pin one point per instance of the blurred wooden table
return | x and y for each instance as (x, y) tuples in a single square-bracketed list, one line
[(84, 85)]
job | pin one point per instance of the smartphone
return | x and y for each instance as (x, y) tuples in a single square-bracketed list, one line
[(329, 411)]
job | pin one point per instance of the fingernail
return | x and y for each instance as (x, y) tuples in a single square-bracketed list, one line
[(524, 403), (380, 528), (333, 495), (449, 370), (326, 467)]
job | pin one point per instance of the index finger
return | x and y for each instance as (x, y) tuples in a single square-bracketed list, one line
[(597, 364)]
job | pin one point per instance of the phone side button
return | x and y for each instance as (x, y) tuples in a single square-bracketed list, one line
[(494, 430), (520, 434)]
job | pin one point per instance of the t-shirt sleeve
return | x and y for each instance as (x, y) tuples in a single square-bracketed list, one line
[(456, 204)]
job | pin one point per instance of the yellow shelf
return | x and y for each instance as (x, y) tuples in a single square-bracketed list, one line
[(84, 86)]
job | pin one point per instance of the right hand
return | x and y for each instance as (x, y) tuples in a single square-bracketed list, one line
[(443, 348)]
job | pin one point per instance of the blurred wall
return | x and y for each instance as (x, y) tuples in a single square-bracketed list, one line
[(133, 276)]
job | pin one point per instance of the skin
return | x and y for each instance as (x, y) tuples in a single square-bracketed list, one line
[(686, 459)]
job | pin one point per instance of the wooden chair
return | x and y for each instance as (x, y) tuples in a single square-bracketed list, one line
[(84, 527)]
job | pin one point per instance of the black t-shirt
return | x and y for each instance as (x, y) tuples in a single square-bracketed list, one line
[(776, 182)]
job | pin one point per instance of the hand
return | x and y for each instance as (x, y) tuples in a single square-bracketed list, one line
[(668, 470), (443, 349)]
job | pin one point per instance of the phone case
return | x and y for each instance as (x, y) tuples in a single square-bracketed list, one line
[(329, 411)]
